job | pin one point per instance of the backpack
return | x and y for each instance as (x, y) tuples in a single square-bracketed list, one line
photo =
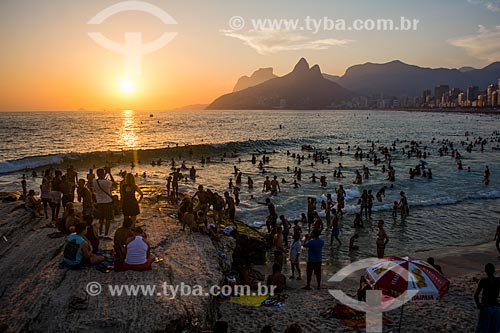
[(71, 250)]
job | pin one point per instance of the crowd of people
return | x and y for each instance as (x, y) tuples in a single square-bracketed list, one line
[(95, 193), (206, 210)]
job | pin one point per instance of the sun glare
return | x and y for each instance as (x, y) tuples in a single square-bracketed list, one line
[(127, 87)]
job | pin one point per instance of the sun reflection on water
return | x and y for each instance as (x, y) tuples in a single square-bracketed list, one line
[(129, 138)]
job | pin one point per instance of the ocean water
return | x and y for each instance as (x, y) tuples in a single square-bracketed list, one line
[(454, 208)]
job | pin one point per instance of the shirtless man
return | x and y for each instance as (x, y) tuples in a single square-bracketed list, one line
[(250, 183), (489, 289), (72, 177), (278, 247), (272, 217), (230, 208), (275, 186), (204, 203), (311, 208), (90, 179), (340, 199), (192, 172), (85, 196), (328, 209), (176, 176), (267, 185), (358, 180)]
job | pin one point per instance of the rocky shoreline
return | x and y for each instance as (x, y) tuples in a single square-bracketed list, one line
[(35, 295)]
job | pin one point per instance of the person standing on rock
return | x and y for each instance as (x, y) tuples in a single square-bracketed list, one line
[(104, 199), (272, 217), (278, 247), (230, 208)]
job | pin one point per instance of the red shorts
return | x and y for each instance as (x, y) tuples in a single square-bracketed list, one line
[(142, 267)]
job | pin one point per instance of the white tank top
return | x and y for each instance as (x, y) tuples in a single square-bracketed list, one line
[(137, 251)]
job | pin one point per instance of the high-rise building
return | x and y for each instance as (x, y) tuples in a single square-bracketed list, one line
[(461, 99), (472, 93), (454, 93), (427, 93), (494, 98), (489, 92), (481, 101), (440, 91)]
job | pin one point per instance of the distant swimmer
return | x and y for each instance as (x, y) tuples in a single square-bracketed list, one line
[(497, 238), (358, 180), (340, 199), (358, 222), (486, 176), (381, 193), (250, 182), (192, 172)]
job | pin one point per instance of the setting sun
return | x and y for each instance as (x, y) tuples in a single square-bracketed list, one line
[(127, 87)]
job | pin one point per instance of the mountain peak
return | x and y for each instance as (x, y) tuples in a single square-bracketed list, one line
[(303, 88), (259, 76), (494, 66), (316, 70), (301, 66)]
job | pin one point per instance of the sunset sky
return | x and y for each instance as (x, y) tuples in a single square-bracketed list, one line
[(48, 61)]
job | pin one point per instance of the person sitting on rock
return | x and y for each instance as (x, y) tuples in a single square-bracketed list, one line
[(78, 251), (70, 218), (137, 252), (32, 204), (122, 234), (276, 280)]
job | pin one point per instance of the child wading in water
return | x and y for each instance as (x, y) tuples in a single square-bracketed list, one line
[(395, 209)]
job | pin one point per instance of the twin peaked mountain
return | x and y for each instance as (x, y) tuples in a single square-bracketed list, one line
[(303, 88), (308, 88)]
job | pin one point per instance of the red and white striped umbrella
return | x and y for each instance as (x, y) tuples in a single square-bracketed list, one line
[(394, 276)]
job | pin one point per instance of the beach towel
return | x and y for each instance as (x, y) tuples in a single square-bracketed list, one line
[(105, 267), (276, 301), (108, 264), (250, 300)]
